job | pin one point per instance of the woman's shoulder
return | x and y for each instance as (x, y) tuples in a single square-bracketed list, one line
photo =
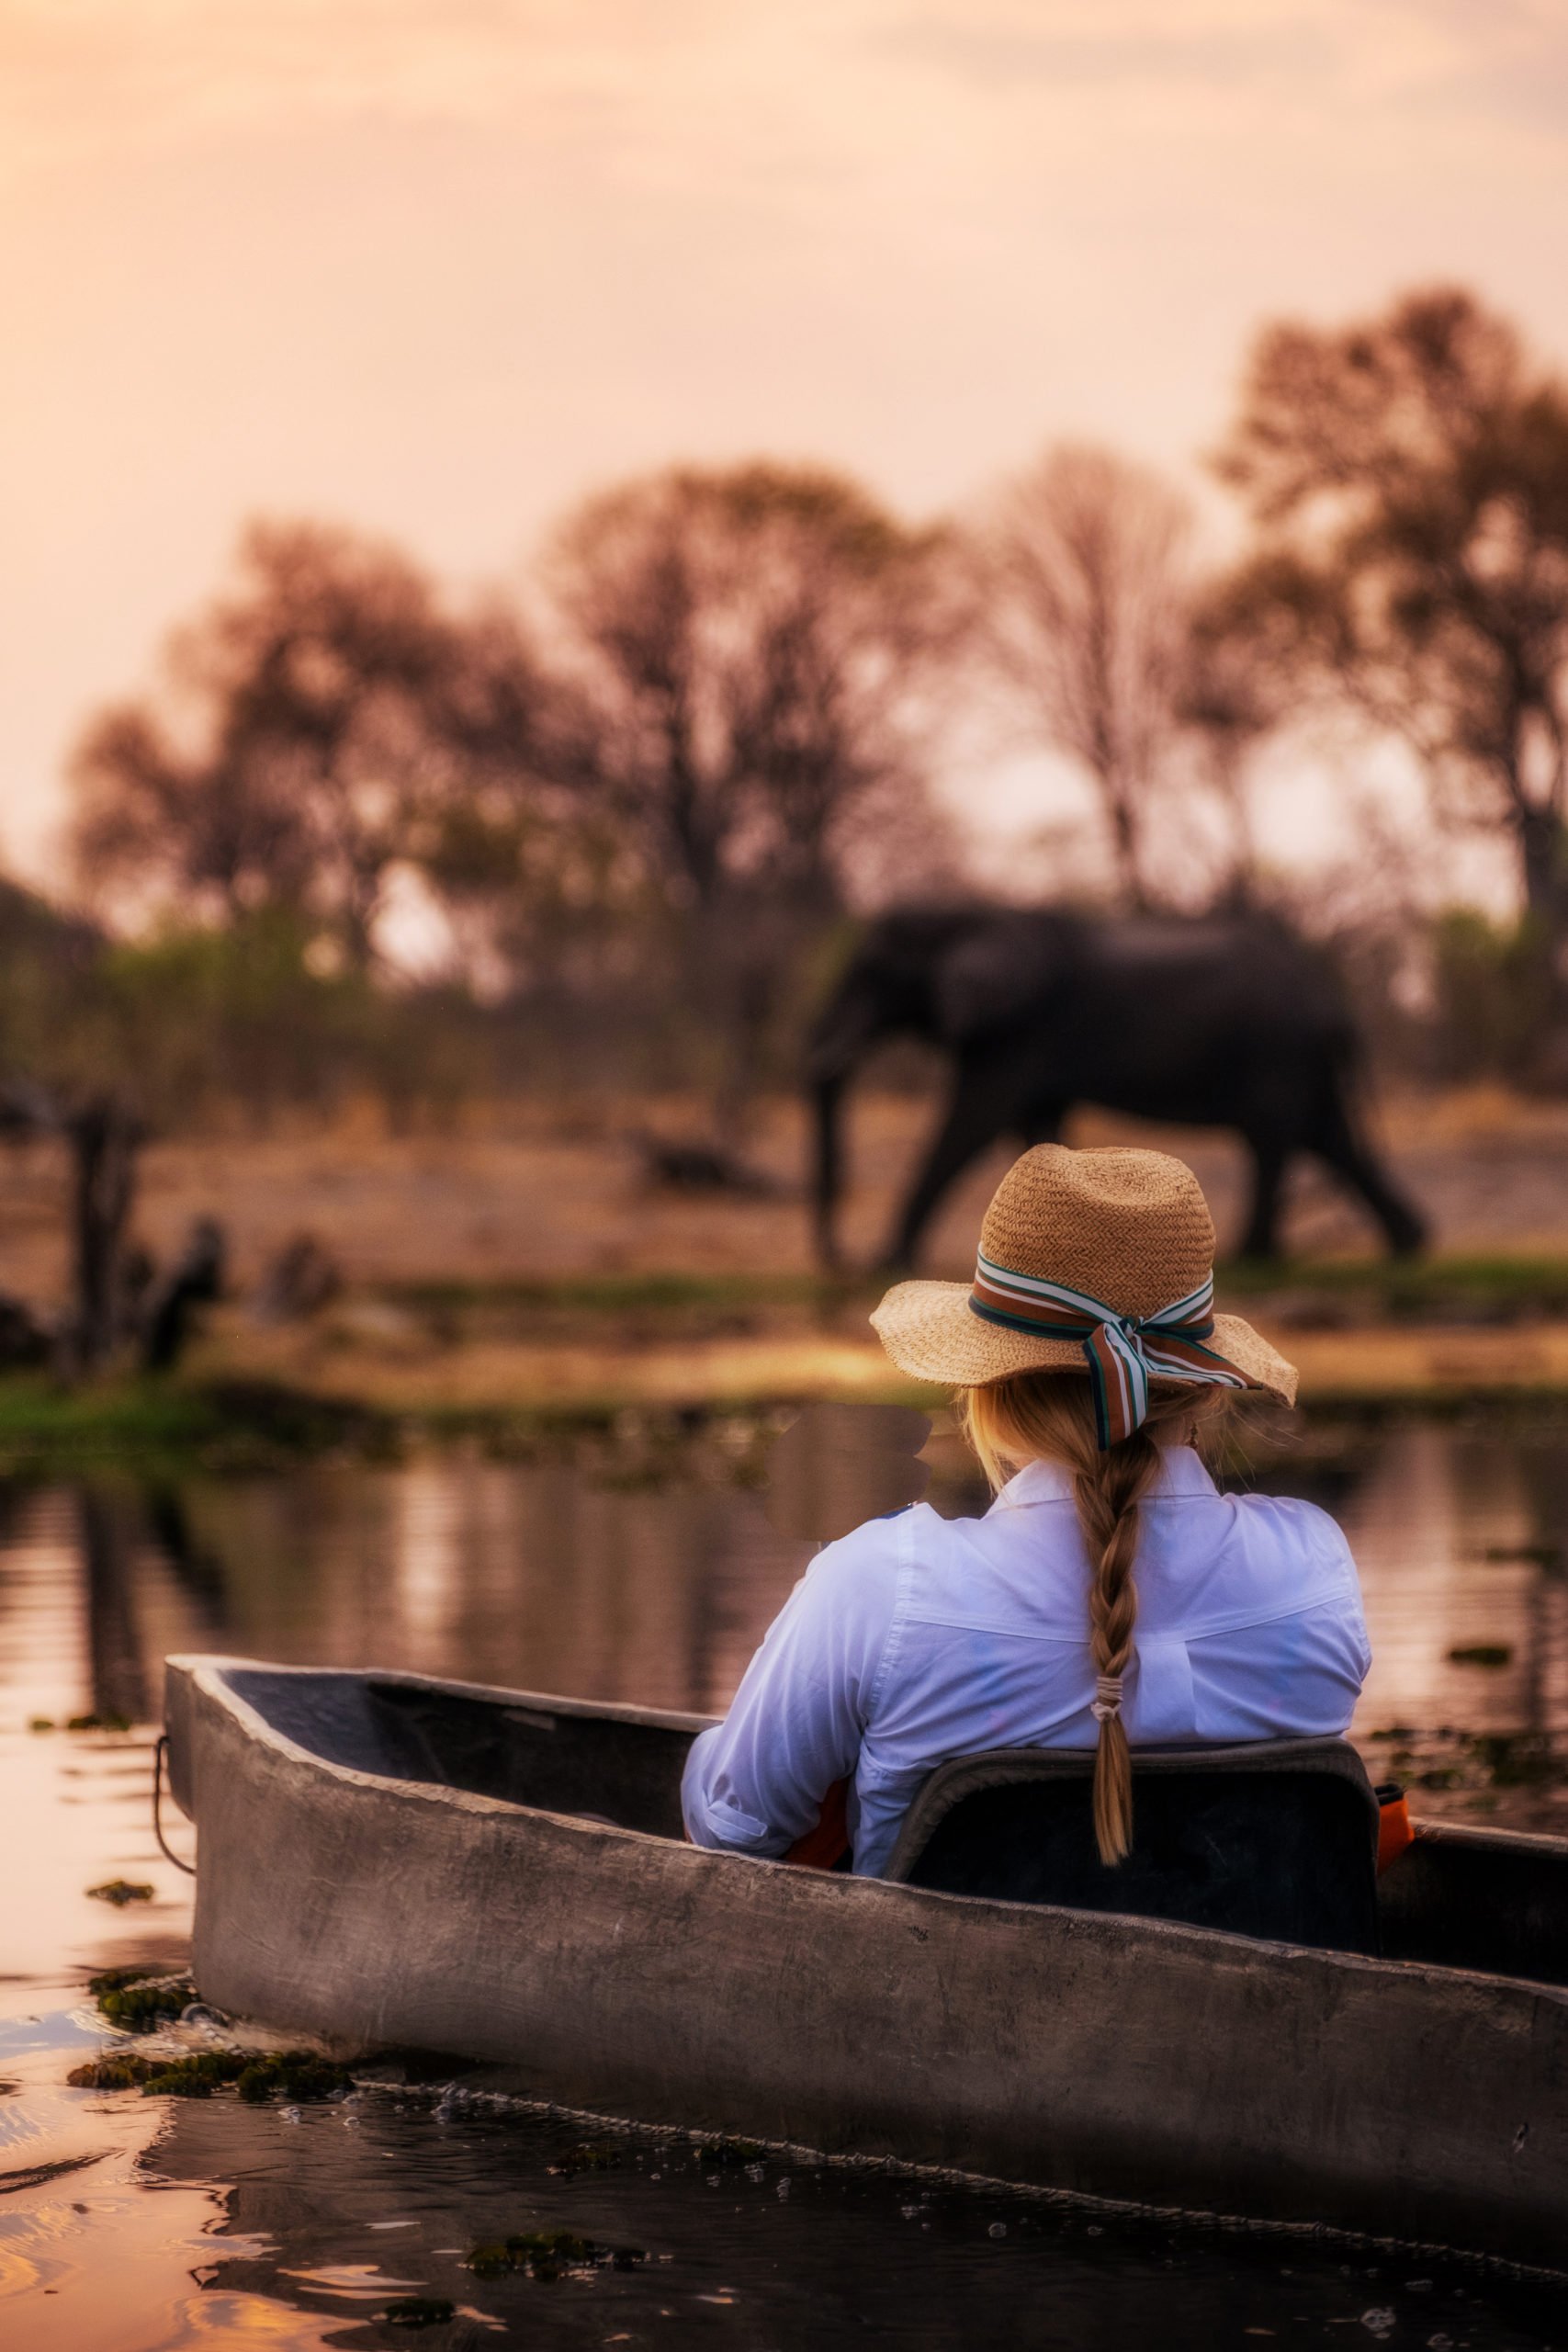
[(877, 1544), (861, 1579), (1296, 1526), (1287, 1536)]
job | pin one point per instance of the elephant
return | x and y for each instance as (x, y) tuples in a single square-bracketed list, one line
[(1225, 1020)]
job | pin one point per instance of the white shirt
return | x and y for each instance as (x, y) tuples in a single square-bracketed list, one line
[(919, 1638)]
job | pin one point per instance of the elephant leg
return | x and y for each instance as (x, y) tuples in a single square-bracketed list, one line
[(1270, 1156), (982, 1108), (1342, 1150)]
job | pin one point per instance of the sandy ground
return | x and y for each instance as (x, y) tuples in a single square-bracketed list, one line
[(533, 1198), (402, 1370), (568, 1196)]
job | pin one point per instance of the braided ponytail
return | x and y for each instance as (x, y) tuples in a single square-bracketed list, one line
[(1049, 1416), (1108, 1491)]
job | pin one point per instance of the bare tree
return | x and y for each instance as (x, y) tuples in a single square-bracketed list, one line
[(313, 725), (744, 643), (747, 649), (1230, 701), (1408, 477), (1081, 569)]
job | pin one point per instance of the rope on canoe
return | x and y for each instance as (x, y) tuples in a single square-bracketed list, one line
[(164, 1847)]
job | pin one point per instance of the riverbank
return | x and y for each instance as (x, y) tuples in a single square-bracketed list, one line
[(571, 1358), (554, 1193), (382, 1368)]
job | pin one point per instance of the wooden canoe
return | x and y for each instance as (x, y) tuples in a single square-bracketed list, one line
[(389, 1860)]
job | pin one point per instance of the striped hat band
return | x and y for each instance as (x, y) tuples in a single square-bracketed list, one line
[(1124, 1351)]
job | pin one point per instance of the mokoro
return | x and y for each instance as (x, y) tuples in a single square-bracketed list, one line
[(394, 1861)]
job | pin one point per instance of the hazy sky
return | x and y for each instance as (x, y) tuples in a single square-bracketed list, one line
[(436, 265)]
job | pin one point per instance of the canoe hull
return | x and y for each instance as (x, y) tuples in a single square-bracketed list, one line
[(627, 1975)]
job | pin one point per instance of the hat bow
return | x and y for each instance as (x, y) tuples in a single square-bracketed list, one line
[(1124, 1351)]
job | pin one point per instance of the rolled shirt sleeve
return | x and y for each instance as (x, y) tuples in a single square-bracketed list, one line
[(755, 1782)]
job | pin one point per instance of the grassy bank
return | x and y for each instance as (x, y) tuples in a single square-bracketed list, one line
[(1464, 1289), (509, 1363), (44, 1425)]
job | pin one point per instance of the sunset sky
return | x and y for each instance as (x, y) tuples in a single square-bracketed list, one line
[(436, 267)]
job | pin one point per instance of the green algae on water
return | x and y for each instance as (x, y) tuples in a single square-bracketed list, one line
[(119, 2071), (115, 1980), (544, 2255), (726, 2153), (590, 2155), (80, 1722), (420, 2310), (299, 2077), (138, 2002), (196, 2077)]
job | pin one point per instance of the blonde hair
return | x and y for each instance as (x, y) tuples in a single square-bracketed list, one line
[(1049, 1417)]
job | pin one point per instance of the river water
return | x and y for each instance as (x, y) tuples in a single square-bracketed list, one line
[(644, 1567)]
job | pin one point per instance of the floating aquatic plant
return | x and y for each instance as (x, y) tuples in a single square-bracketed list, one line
[(1519, 1759), (1475, 1765), (119, 2071), (137, 2001), (196, 2077), (546, 2254), (590, 2155), (113, 1980), (299, 2077), (119, 1891), (420, 2310), (725, 2155), (193, 2076)]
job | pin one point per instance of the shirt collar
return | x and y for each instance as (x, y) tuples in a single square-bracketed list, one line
[(1181, 1474)]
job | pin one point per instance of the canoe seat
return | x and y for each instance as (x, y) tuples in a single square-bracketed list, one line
[(1275, 1838)]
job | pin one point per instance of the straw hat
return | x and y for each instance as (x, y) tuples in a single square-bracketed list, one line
[(1090, 1260)]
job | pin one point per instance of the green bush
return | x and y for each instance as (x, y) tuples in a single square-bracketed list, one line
[(1492, 990)]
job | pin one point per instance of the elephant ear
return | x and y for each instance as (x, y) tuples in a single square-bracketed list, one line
[(999, 976)]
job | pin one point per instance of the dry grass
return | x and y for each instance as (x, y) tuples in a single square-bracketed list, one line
[(519, 1192), (397, 1366), (559, 1199)]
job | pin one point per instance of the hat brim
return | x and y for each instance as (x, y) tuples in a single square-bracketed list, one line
[(931, 1332)]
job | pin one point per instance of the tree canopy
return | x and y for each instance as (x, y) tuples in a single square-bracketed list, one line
[(743, 645), (1407, 476), (316, 724)]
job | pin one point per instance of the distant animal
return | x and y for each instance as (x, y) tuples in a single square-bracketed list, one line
[(700, 1167), (300, 1279), (1225, 1021), (195, 1279)]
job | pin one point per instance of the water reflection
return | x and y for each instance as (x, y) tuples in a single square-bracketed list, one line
[(645, 1570), (1461, 1542), (540, 1573), (606, 1574), (341, 2213)]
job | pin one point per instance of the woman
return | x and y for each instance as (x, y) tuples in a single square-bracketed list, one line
[(1109, 1597)]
